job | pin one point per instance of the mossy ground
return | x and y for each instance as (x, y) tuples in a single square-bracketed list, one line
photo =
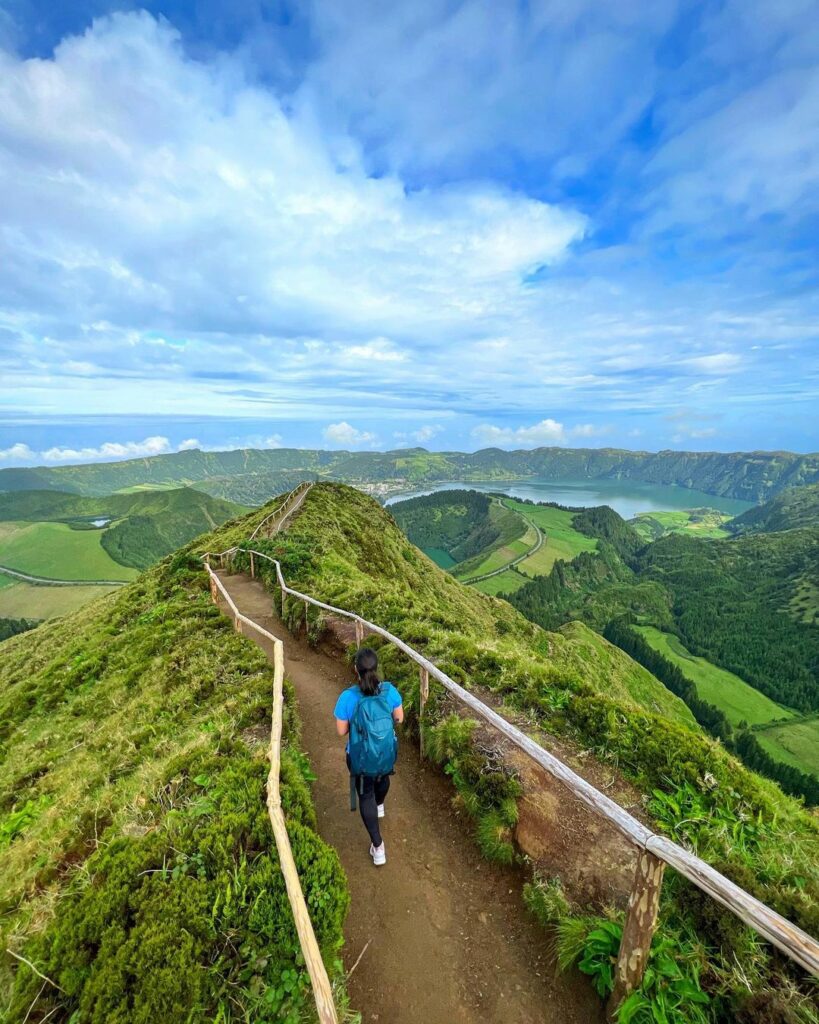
[(138, 869)]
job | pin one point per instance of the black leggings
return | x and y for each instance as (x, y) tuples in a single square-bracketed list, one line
[(371, 793)]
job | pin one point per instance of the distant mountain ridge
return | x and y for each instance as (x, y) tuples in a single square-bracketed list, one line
[(251, 475)]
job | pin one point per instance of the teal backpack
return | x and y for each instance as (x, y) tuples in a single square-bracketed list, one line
[(373, 743)]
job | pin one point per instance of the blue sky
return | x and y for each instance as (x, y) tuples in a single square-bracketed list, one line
[(372, 225)]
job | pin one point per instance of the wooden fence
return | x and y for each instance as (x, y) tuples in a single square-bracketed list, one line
[(654, 851)]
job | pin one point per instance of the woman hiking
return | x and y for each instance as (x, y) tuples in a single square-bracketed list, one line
[(367, 713)]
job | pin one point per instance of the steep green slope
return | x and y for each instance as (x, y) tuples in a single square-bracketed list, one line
[(137, 866), (456, 522), (752, 476), (344, 549), (732, 606), (790, 510)]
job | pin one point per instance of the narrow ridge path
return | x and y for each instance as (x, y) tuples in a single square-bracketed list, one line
[(448, 940)]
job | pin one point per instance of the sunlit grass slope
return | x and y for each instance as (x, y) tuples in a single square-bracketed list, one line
[(137, 866), (345, 549), (719, 687)]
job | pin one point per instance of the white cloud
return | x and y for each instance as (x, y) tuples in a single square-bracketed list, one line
[(379, 351), (426, 433), (273, 441), (189, 444), (16, 452), (546, 432), (717, 362), (110, 450), (347, 436)]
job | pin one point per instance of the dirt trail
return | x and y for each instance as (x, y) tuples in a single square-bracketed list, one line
[(448, 940)]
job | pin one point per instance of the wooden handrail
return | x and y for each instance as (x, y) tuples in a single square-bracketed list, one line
[(786, 936), (294, 495), (319, 979)]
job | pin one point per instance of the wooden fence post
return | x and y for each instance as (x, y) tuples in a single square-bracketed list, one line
[(214, 592), (238, 625), (359, 632), (284, 599), (306, 612), (641, 920), (424, 673), (252, 567)]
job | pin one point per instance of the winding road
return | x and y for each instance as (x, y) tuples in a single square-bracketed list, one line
[(47, 581), (541, 537)]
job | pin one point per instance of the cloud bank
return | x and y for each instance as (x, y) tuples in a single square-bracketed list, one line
[(297, 227)]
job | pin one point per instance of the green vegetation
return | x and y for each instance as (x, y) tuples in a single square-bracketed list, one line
[(251, 477), (791, 510), (796, 743), (454, 522), (11, 627), (506, 582), (740, 740), (515, 536), (30, 601), (561, 539), (699, 522), (344, 550), (732, 695), (55, 551), (138, 868), (731, 606)]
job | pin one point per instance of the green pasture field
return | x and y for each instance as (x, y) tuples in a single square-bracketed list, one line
[(20, 600), (562, 541), (708, 523), (504, 583), (55, 550), (723, 689), (499, 557), (139, 488), (796, 743)]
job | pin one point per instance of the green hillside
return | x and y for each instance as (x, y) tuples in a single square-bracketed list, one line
[(252, 476), (699, 522), (344, 549), (790, 510), (67, 536), (56, 551), (732, 695), (137, 867)]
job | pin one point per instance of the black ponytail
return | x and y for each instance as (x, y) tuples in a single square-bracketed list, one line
[(366, 665)]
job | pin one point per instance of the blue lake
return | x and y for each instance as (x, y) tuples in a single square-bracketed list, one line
[(628, 497)]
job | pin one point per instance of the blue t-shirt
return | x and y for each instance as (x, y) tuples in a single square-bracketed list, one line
[(348, 701)]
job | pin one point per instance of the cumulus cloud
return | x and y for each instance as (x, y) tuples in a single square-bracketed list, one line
[(344, 435), (16, 453), (546, 432), (110, 450), (189, 444)]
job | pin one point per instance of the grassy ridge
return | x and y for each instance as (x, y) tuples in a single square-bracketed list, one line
[(252, 476), (346, 551), (138, 868)]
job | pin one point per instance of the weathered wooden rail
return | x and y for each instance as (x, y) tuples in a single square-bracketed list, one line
[(654, 851), (319, 979)]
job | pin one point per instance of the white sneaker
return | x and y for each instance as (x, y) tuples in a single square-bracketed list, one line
[(380, 810), (378, 854)]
